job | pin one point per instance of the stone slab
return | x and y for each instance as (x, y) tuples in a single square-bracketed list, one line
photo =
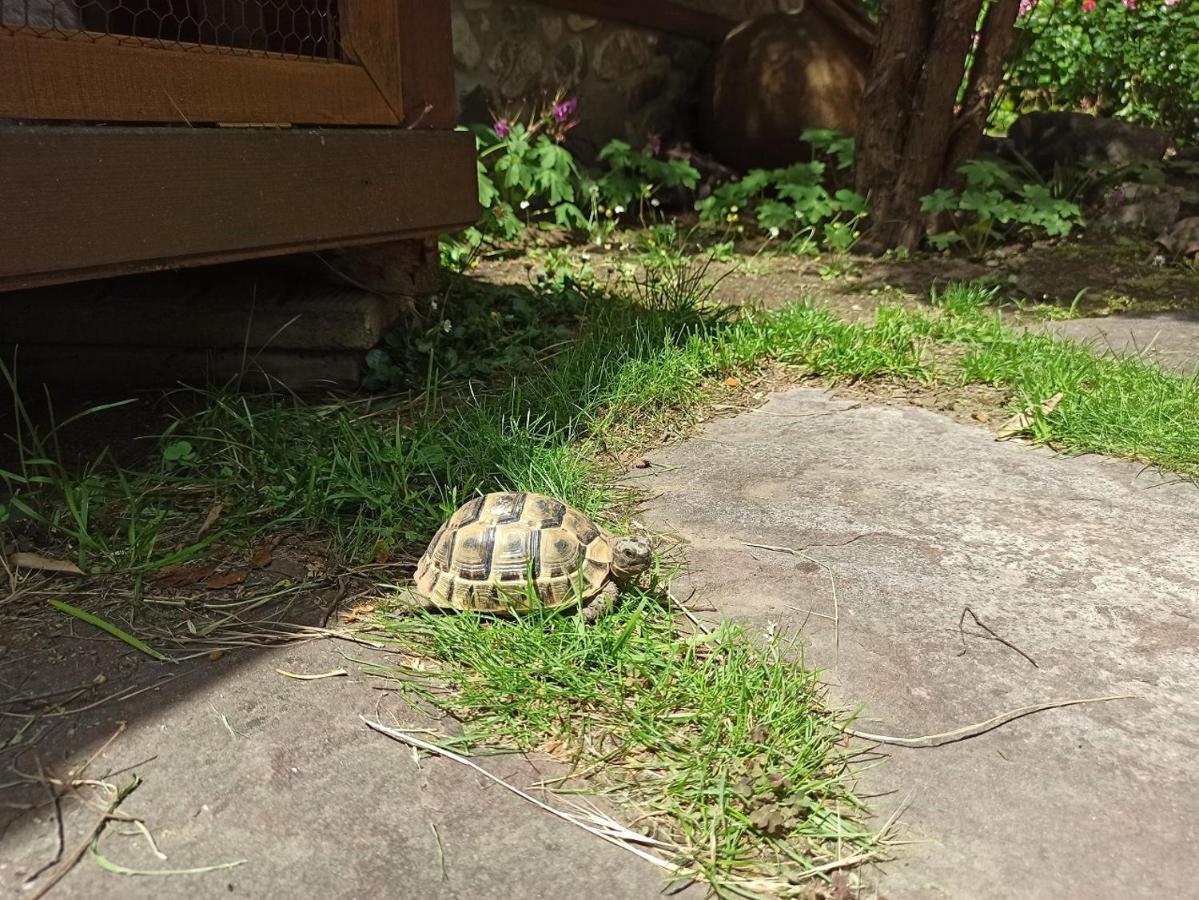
[(241, 763), (1168, 339), (1089, 565)]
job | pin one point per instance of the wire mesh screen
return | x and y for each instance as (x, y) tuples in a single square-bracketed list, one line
[(300, 29)]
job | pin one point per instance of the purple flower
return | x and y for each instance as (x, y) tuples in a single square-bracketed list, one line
[(503, 129), (565, 110), (1027, 6)]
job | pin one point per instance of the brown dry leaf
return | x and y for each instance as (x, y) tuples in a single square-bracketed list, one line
[(262, 558), (642, 463), (185, 575), (981, 417), (214, 655), (732, 381), (210, 520), (361, 611), (556, 749), (229, 579), (43, 563), (1020, 422)]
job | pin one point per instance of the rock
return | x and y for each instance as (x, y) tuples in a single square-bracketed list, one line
[(1134, 205), (774, 77), (518, 67), (1183, 238), (622, 52), (1047, 139), (580, 23), (467, 52)]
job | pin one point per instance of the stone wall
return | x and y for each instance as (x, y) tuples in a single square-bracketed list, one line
[(630, 83)]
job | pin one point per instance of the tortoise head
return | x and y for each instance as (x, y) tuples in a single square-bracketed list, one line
[(630, 557)]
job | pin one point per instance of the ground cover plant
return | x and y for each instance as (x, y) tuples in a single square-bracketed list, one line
[(529, 182)]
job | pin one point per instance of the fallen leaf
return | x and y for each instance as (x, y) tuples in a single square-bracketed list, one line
[(210, 520), (360, 611), (262, 558), (214, 655), (1020, 422), (229, 579), (185, 575), (981, 417), (733, 382), (642, 463), (43, 563)]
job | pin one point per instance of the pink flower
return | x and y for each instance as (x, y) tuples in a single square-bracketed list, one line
[(502, 128), (1172, 2), (1027, 6), (1088, 5), (1131, 4), (565, 110)]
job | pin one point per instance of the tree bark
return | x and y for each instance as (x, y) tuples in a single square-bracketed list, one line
[(996, 39), (910, 137), (903, 35)]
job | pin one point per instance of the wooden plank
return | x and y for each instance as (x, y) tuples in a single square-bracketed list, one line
[(658, 15), (54, 79), (87, 202), (427, 61), (370, 36)]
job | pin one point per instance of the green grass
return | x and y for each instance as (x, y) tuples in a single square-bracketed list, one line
[(377, 476), (719, 745)]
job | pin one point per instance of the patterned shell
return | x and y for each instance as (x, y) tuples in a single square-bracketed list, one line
[(494, 548)]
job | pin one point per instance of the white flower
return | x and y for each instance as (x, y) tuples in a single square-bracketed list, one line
[(774, 232), (447, 326), (618, 210), (524, 204), (655, 203)]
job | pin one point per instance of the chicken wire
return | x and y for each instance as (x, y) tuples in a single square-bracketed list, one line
[(300, 29)]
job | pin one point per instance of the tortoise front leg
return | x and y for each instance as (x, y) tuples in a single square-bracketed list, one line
[(603, 604)]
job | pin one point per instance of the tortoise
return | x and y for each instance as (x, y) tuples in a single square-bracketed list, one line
[(507, 552)]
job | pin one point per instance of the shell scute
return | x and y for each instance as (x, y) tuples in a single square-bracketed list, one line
[(494, 548)]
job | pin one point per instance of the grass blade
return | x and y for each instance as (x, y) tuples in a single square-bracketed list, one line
[(125, 636)]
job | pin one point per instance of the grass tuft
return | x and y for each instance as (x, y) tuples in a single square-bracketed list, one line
[(721, 742)]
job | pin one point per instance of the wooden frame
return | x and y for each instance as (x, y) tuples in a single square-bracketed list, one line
[(399, 71), (206, 195), (79, 202)]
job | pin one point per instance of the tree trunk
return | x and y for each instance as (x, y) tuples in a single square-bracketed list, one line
[(996, 39), (903, 35), (910, 137)]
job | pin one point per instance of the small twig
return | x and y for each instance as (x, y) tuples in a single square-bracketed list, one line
[(978, 622), (56, 799), (970, 731), (445, 875), (299, 677), (81, 848), (566, 817), (682, 607)]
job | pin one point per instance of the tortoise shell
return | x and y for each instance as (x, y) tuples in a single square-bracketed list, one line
[(497, 550)]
